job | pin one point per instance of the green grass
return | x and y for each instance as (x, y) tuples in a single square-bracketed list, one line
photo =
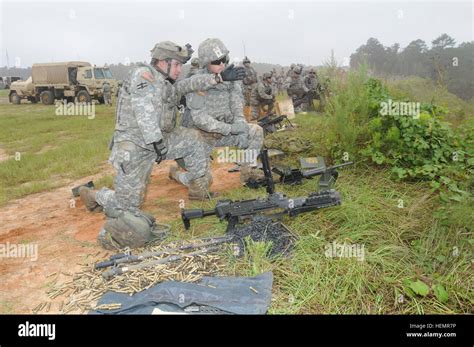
[(425, 240), (400, 244), (415, 242), (50, 149)]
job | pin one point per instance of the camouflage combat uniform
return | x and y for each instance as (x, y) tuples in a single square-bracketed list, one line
[(214, 111), (107, 94), (297, 90), (263, 95), (311, 82), (249, 82), (280, 80), (146, 113), (194, 67), (316, 90), (217, 110)]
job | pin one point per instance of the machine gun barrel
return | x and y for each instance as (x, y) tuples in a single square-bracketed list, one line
[(320, 171)]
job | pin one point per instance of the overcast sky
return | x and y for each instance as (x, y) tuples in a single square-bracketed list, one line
[(273, 32)]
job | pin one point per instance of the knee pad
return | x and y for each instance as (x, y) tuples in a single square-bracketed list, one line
[(128, 230)]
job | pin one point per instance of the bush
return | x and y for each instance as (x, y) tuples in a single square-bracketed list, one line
[(421, 147)]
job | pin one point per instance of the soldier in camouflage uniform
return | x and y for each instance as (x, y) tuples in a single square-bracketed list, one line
[(107, 93), (218, 112), (145, 133), (194, 67), (274, 77), (296, 89), (311, 81), (249, 82), (290, 71), (263, 95), (280, 80)]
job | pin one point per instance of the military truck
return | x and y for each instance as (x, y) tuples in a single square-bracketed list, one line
[(59, 81)]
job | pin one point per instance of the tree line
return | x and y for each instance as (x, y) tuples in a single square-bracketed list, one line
[(448, 64)]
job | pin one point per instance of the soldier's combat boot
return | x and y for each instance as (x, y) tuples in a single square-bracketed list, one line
[(248, 173), (199, 189), (88, 198), (174, 174)]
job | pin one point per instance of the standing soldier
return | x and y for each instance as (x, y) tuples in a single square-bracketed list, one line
[(145, 133), (274, 78), (107, 93), (280, 81), (311, 82), (250, 80), (218, 112), (296, 89), (290, 71), (263, 95)]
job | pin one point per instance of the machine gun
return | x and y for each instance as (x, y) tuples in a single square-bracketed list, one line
[(275, 204), (290, 176), (124, 258), (122, 263), (273, 122)]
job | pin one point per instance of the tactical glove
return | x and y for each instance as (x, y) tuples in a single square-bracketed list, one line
[(232, 73)]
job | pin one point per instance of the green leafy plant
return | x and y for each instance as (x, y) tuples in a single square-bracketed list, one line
[(418, 147)]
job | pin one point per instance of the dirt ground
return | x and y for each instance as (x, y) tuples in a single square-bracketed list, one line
[(65, 233)]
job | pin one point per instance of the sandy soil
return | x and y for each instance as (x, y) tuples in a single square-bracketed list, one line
[(65, 234)]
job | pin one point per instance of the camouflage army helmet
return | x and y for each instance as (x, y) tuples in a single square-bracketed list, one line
[(195, 62), (169, 50), (292, 66), (298, 69), (246, 61), (267, 75), (212, 50)]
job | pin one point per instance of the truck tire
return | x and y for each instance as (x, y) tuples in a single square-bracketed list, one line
[(101, 100), (83, 96), (47, 97), (15, 99)]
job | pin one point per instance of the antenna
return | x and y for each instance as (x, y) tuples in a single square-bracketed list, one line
[(243, 43)]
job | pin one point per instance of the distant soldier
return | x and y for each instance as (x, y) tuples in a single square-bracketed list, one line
[(311, 82), (250, 80), (316, 89), (297, 90), (290, 71), (194, 67), (107, 93), (274, 78), (263, 95)]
